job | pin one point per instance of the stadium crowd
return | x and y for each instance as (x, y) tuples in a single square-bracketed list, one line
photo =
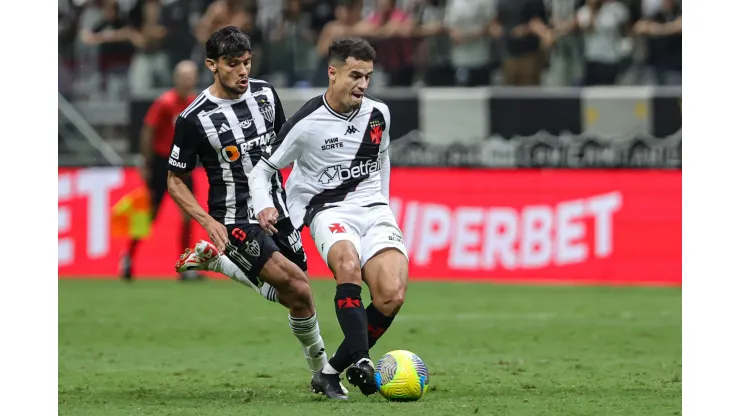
[(126, 47)]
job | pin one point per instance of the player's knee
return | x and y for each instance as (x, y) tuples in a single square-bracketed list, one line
[(390, 297), (348, 270)]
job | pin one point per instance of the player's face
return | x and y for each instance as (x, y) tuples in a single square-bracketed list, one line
[(233, 73), (351, 80)]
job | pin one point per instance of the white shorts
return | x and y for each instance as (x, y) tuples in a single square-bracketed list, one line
[(369, 229)]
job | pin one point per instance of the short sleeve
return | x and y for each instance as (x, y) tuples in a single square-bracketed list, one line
[(385, 140), (184, 152)]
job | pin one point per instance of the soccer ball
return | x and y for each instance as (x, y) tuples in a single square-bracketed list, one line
[(401, 376)]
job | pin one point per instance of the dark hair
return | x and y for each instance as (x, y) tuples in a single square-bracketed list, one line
[(229, 42), (357, 48)]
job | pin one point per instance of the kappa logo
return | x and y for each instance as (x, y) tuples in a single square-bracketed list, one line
[(253, 248), (351, 130)]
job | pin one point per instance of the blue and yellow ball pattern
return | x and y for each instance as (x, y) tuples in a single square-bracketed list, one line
[(401, 376)]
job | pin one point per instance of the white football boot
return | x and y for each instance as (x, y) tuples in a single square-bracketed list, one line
[(198, 258)]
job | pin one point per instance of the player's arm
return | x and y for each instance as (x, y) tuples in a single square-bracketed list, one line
[(181, 163), (385, 159), (285, 150)]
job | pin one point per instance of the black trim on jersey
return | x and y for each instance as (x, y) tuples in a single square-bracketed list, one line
[(367, 152), (345, 117), (306, 110), (269, 163)]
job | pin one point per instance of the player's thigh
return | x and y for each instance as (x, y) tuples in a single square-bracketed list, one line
[(289, 241), (336, 233), (332, 226), (250, 248), (385, 262)]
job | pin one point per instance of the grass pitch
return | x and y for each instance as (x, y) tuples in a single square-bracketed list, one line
[(217, 348)]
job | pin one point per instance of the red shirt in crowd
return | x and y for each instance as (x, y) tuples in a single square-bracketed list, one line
[(161, 118)]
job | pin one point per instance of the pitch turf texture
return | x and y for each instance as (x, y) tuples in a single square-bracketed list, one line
[(216, 348)]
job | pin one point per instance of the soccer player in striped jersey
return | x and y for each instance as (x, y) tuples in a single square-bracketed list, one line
[(228, 127), (339, 188)]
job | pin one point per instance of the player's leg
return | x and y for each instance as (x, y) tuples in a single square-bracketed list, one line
[(288, 240), (204, 256), (385, 270), (337, 238), (258, 255)]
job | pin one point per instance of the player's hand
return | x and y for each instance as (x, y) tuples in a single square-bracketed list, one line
[(217, 233), (267, 217)]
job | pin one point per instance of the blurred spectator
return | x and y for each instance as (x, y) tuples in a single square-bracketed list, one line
[(222, 13), (388, 28), (348, 14), (179, 39), (112, 35), (468, 23), (565, 58), (604, 23), (521, 24), (291, 42), (663, 31), (150, 67), (321, 12), (434, 55)]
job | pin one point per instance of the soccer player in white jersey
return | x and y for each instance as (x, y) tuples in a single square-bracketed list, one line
[(227, 128), (339, 188)]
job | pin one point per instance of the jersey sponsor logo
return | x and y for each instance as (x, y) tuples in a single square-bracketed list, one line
[(351, 130), (333, 143), (175, 152), (294, 239), (337, 228), (341, 173), (177, 164), (233, 153), (230, 153), (244, 124)]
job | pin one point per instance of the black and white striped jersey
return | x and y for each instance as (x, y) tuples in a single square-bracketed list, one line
[(230, 137), (339, 159)]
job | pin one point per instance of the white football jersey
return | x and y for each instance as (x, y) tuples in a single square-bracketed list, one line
[(337, 159)]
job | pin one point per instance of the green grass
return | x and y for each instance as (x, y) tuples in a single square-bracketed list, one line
[(217, 348)]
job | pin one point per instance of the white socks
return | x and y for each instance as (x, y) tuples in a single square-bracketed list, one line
[(225, 266), (328, 369), (307, 332)]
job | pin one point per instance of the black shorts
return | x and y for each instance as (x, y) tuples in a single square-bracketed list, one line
[(158, 168), (250, 247)]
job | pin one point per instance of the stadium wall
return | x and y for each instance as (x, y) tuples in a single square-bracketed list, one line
[(602, 226)]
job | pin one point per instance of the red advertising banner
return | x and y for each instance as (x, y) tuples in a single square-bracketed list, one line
[(577, 226)]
